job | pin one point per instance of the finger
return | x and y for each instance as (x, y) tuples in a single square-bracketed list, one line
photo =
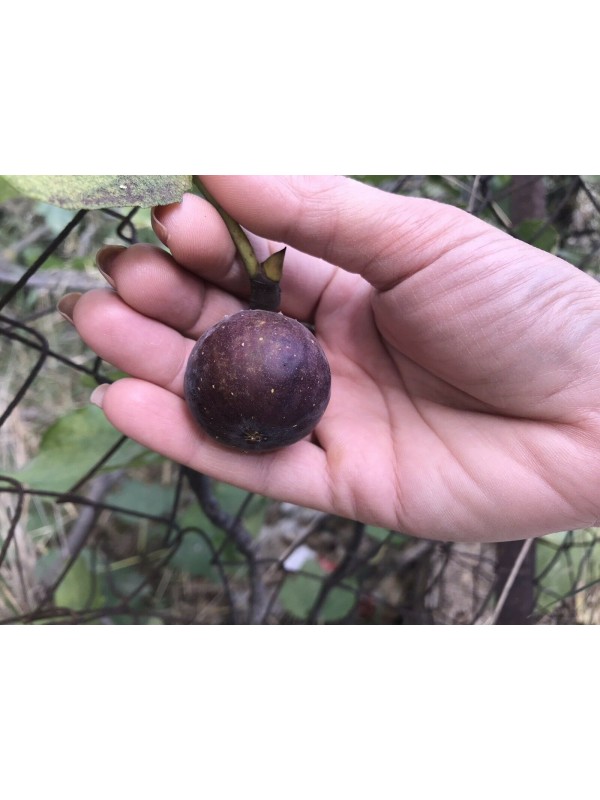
[(198, 239), (382, 236), (136, 344), (467, 312), (151, 282), (132, 342), (161, 421)]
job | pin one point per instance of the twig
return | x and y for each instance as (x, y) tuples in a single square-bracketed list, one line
[(398, 184), (299, 540), (495, 207), (80, 531), (474, 192), (5, 543), (81, 528), (411, 554), (31, 238), (510, 580), (341, 571), (202, 487), (57, 280)]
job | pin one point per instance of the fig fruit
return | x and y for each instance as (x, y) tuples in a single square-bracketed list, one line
[(257, 381)]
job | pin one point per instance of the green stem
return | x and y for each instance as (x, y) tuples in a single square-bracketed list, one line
[(264, 277)]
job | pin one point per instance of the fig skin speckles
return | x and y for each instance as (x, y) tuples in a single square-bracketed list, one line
[(257, 381)]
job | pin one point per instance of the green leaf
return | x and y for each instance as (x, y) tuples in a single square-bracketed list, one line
[(71, 446), (379, 534), (193, 556), (563, 558), (299, 594), (152, 499), (194, 517), (56, 219), (374, 180), (47, 565), (6, 190), (79, 589), (537, 233), (125, 582), (231, 498), (99, 191), (392, 538)]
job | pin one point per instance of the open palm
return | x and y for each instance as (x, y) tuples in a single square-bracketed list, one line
[(465, 390)]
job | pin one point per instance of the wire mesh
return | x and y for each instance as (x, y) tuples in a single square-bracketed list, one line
[(94, 529)]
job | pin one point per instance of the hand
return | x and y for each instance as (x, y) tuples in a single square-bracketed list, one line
[(466, 389)]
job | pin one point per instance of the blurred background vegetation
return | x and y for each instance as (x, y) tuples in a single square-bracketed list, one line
[(96, 529)]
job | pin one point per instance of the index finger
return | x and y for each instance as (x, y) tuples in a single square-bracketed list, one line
[(199, 241), (384, 237)]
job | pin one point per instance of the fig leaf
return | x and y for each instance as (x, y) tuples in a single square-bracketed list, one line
[(100, 191)]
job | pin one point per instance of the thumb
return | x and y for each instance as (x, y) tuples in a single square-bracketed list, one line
[(382, 236)]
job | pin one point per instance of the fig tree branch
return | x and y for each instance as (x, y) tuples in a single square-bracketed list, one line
[(201, 485)]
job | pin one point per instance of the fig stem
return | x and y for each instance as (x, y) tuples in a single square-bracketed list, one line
[(238, 235), (265, 292), (264, 277)]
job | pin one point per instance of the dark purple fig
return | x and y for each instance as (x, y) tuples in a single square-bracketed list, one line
[(257, 381)]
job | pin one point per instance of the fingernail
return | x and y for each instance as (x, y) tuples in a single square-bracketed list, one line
[(105, 258), (157, 224), (66, 305), (97, 396)]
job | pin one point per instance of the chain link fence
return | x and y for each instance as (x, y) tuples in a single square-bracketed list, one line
[(96, 529)]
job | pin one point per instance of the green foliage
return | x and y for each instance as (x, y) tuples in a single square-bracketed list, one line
[(566, 561), (98, 191), (374, 180), (538, 233), (379, 534), (384, 535), (300, 591), (93, 583), (80, 588), (152, 499), (231, 499), (6, 190), (120, 582), (56, 219), (193, 556), (194, 517), (71, 446)]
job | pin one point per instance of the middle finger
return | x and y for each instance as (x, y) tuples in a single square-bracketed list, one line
[(142, 347)]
